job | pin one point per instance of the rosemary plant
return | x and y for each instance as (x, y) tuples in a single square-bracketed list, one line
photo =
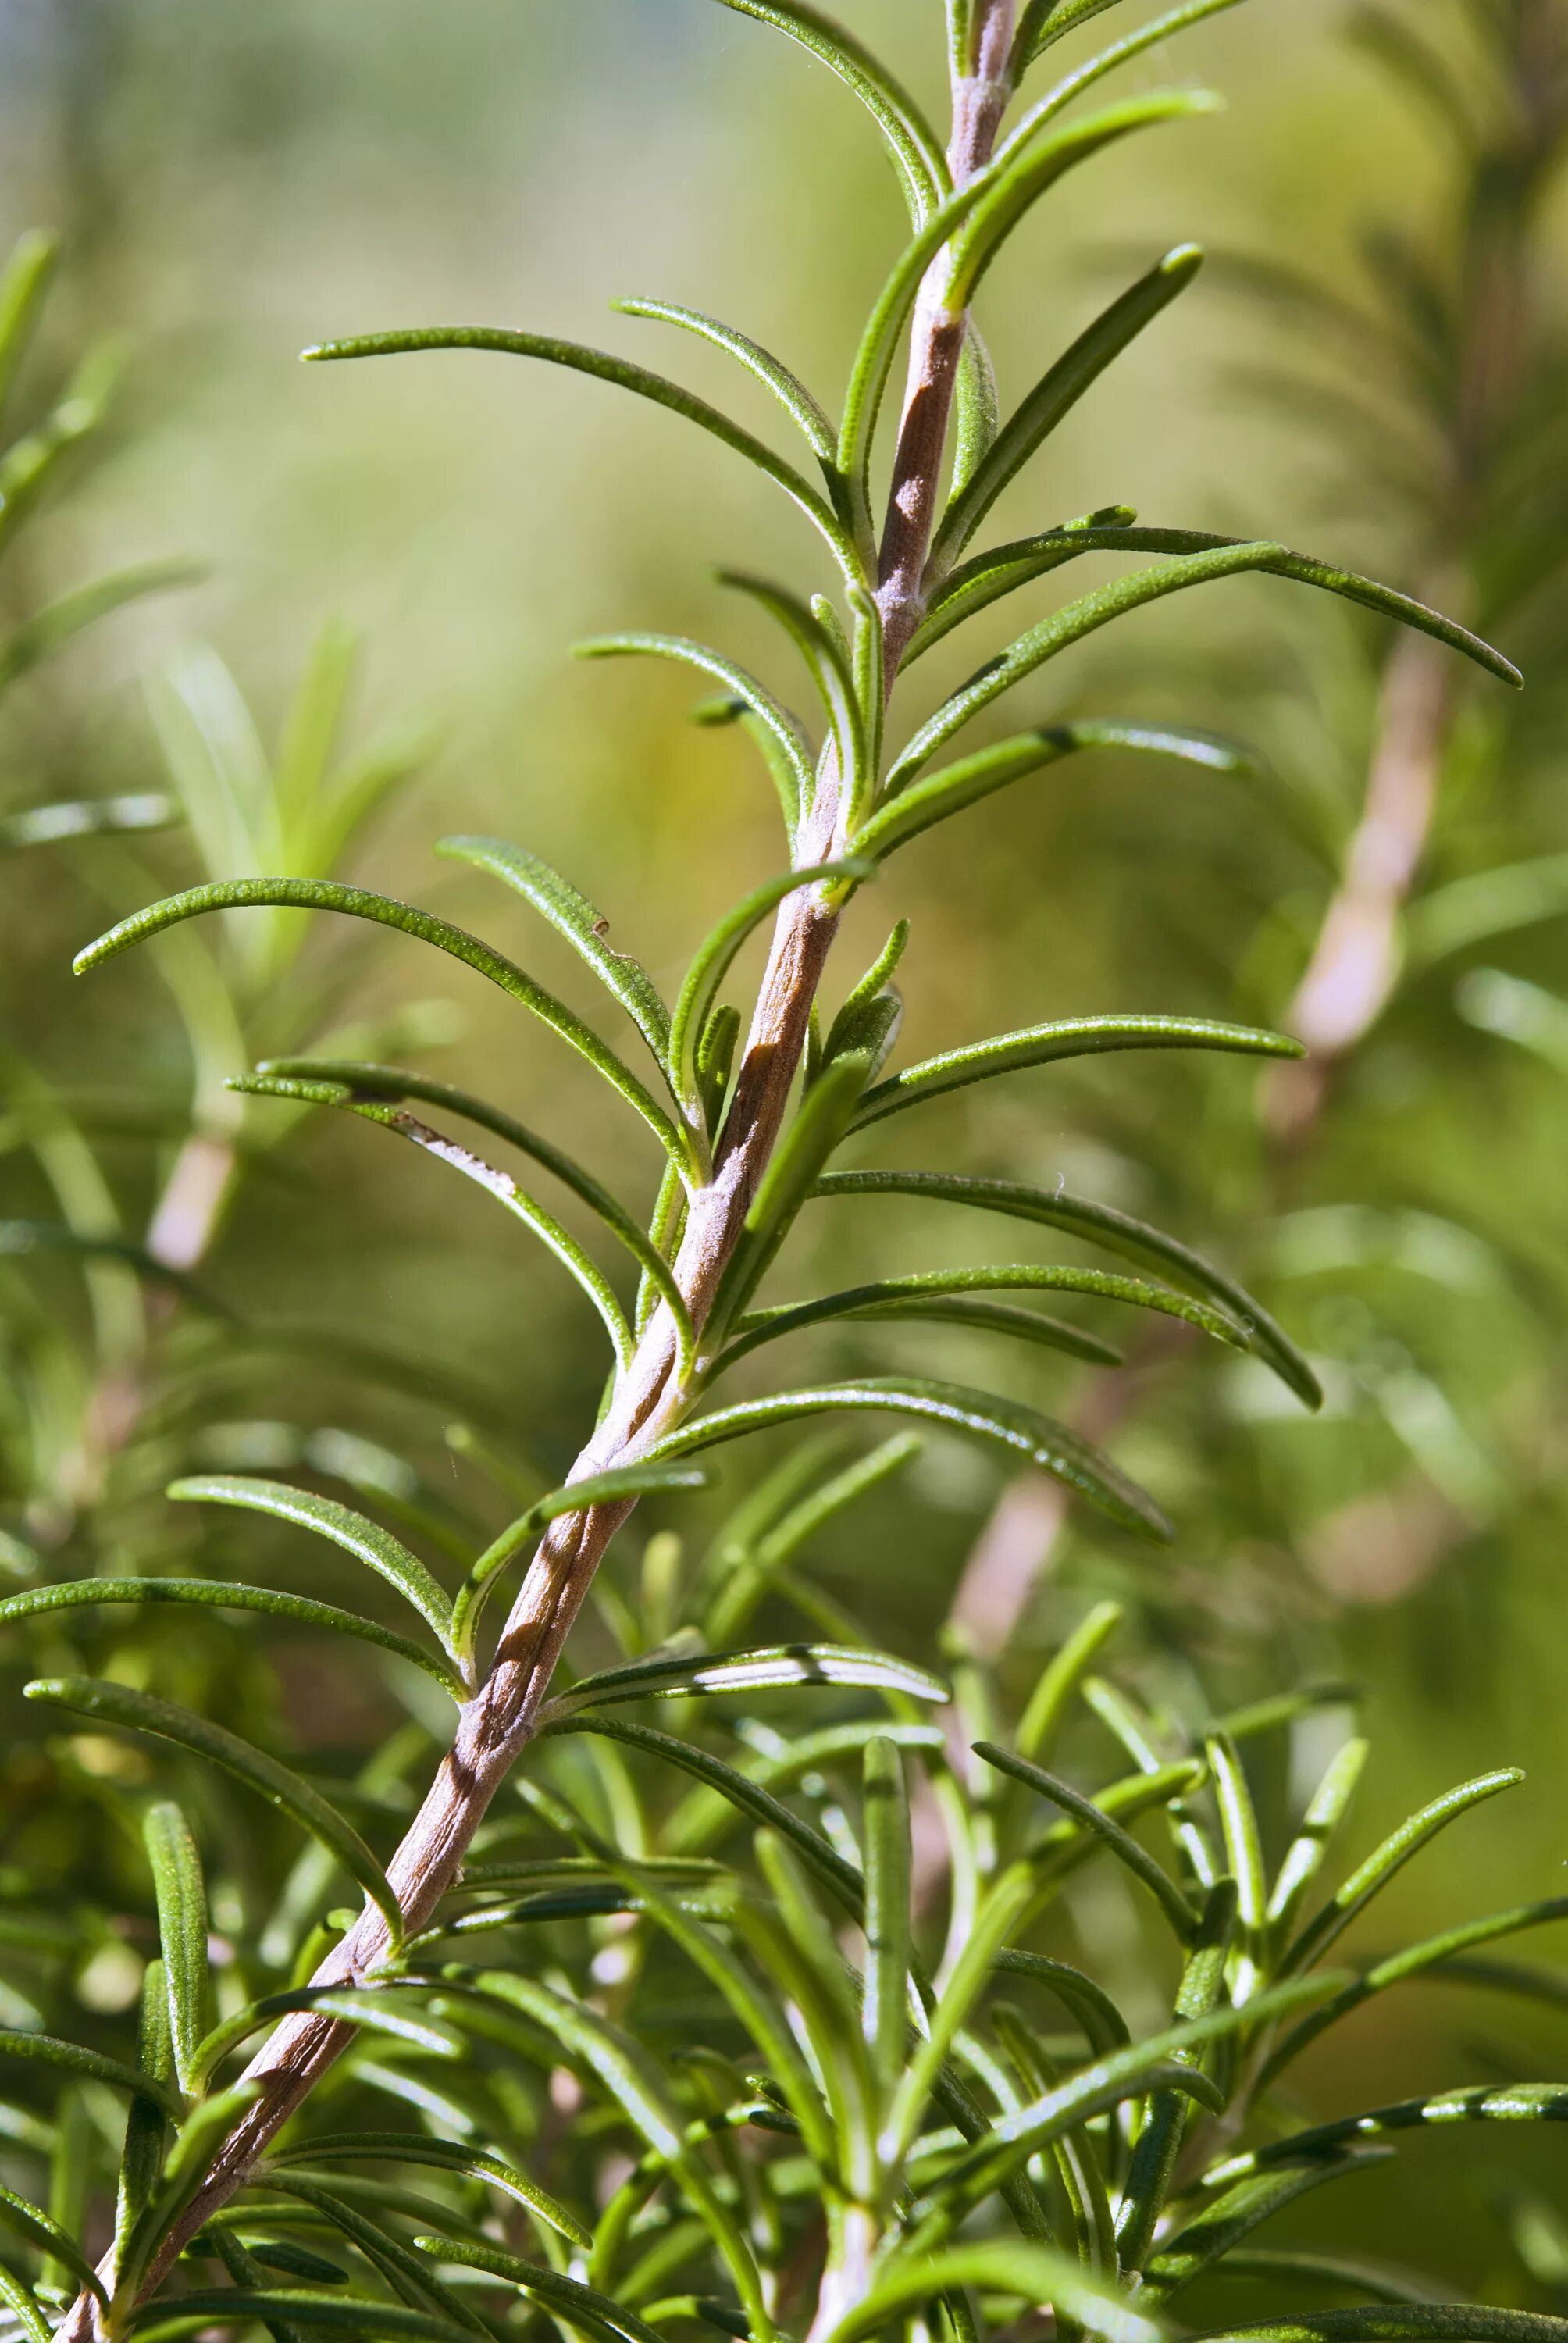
[(948, 2163)]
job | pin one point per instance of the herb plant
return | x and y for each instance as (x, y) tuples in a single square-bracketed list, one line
[(945, 2162)]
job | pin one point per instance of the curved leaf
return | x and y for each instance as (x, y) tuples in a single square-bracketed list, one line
[(1068, 1037), (328, 895), (1014, 2266), (916, 149), (605, 368), (1016, 1430), (731, 1672), (49, 2238), (711, 961), (393, 1084), (1179, 1910), (981, 1317), (1121, 52), (578, 1264), (365, 1540), (923, 802), (575, 918), (792, 748), (828, 664), (788, 388), (59, 622), (442, 2155), (1480, 2102), (1205, 559), (1059, 391), (25, 2308), (50, 2051), (992, 574), (1372, 1876), (1207, 2241), (168, 2317), (140, 1711), (912, 1297), (1458, 2322), (1021, 180), (366, 2008), (1103, 2024), (575, 2301), (223, 1594)]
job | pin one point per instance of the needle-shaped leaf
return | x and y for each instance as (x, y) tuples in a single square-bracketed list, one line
[(1108, 61), (328, 895), (32, 2320), (748, 1797), (47, 825), (1104, 2024), (1150, 2063), (1059, 391), (141, 1712), (819, 1123), (1020, 182), (1305, 1855), (1068, 1037), (1414, 1961), (622, 372), (1372, 1876), (948, 791), (24, 283), (885, 1804), (1153, 2160), (1019, 2266), (579, 921), (1044, 23), (791, 749), (1379, 2282), (181, 1894), (73, 2059), (913, 1296), (991, 576), (578, 1263), (712, 959), (577, 2303), (444, 2155), (1018, 1431), (1480, 2102), (978, 1316), (1175, 1905), (59, 622), (916, 149), (1207, 2240), (1061, 1678), (737, 1672), (393, 1084), (365, 1540), (48, 2237), (1455, 2322), (619, 1486), (788, 388), (166, 2319), (827, 663), (223, 1594), (1206, 559), (373, 2011)]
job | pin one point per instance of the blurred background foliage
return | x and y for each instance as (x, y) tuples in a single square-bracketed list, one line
[(392, 564)]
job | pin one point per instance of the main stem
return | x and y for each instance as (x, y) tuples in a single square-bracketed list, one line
[(650, 1396)]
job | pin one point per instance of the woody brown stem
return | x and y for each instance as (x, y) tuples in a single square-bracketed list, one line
[(650, 1395)]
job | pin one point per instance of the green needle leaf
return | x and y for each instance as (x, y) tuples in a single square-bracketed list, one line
[(1178, 1910), (916, 149), (574, 2302), (1458, 2322), (1204, 560), (886, 1807), (1059, 391), (788, 388), (393, 1084), (951, 789), (829, 666), (792, 751), (49, 2238), (1003, 1423), (1070, 1037), (370, 2008), (1375, 1873), (915, 1296), (50, 2051), (1207, 2239), (328, 895), (1481, 2103), (167, 2317), (223, 1594), (441, 2155), (181, 1893), (1006, 2266), (583, 926), (739, 1672), (139, 1712), (366, 1541), (605, 368)]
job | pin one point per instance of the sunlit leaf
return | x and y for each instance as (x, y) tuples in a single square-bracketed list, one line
[(787, 387), (443, 2155), (181, 1894), (736, 1672)]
